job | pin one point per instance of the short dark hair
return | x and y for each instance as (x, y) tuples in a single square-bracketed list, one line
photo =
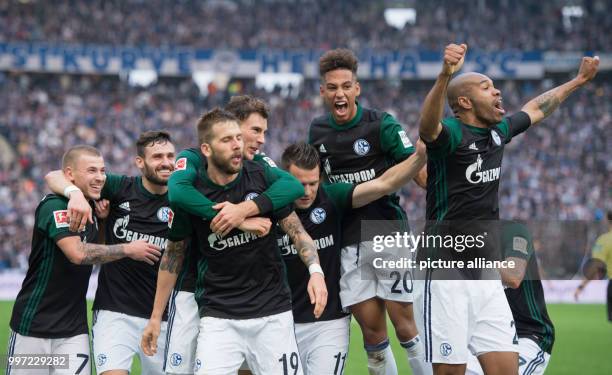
[(302, 155), (73, 153), (210, 118), (242, 106), (150, 138), (340, 58)]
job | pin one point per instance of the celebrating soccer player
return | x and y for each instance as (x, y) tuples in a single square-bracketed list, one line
[(464, 165), (245, 304), (323, 342), (50, 313), (356, 145)]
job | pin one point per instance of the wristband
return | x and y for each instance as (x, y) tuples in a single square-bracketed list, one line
[(70, 189), (315, 268)]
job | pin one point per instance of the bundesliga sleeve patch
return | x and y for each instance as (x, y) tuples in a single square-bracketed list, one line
[(270, 162), (404, 137), (170, 217), (180, 164), (519, 244), (61, 218)]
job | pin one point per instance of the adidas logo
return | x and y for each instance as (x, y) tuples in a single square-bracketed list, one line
[(125, 206), (473, 146), (322, 148)]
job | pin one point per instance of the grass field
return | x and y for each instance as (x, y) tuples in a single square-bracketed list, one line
[(583, 344)]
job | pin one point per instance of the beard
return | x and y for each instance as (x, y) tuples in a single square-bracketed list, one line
[(151, 176), (225, 165)]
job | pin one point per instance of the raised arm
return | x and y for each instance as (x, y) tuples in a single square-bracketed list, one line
[(169, 269), (542, 106), (83, 253), (433, 106), (392, 180), (307, 251)]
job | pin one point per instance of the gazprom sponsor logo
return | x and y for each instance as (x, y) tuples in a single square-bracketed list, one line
[(219, 243), (354, 178), (287, 248), (475, 175)]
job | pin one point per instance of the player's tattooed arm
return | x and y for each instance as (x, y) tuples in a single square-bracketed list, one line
[(542, 106), (169, 268), (172, 260), (307, 250), (79, 252)]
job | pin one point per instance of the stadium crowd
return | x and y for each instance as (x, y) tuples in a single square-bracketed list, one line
[(561, 171), (238, 24)]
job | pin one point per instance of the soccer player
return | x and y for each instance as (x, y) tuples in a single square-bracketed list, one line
[(535, 331), (252, 114), (602, 256), (245, 304), (124, 299), (464, 156), (323, 342), (49, 316), (355, 145)]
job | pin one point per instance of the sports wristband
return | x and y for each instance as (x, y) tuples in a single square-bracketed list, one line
[(70, 189), (315, 268)]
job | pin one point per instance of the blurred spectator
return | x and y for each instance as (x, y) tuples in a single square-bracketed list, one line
[(358, 24)]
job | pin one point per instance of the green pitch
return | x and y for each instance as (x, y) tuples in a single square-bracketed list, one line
[(584, 339)]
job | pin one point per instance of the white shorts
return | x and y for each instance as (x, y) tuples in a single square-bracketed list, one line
[(361, 281), (116, 338), (182, 338), (462, 316), (267, 344), (532, 360), (323, 345), (76, 347)]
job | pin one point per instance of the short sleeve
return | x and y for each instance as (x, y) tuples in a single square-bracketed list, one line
[(112, 185), (341, 195), (394, 140), (514, 125), (447, 141), (52, 219)]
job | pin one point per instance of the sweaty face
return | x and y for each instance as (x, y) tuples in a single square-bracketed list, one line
[(158, 163), (486, 101), (253, 134), (339, 91), (226, 146), (89, 175), (310, 179)]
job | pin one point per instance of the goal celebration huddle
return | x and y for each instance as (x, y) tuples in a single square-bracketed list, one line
[(219, 260)]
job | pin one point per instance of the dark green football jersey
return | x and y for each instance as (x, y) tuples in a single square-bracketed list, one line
[(323, 222), (51, 303), (360, 151), (128, 286), (527, 301), (241, 275), (464, 168)]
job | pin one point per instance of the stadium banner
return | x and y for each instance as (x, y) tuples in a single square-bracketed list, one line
[(183, 61), (556, 291)]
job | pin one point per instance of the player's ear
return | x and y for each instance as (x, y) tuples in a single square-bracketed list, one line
[(69, 173), (321, 88), (139, 162), (357, 89), (205, 148), (464, 102)]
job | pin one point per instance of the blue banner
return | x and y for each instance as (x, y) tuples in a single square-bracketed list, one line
[(182, 61)]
